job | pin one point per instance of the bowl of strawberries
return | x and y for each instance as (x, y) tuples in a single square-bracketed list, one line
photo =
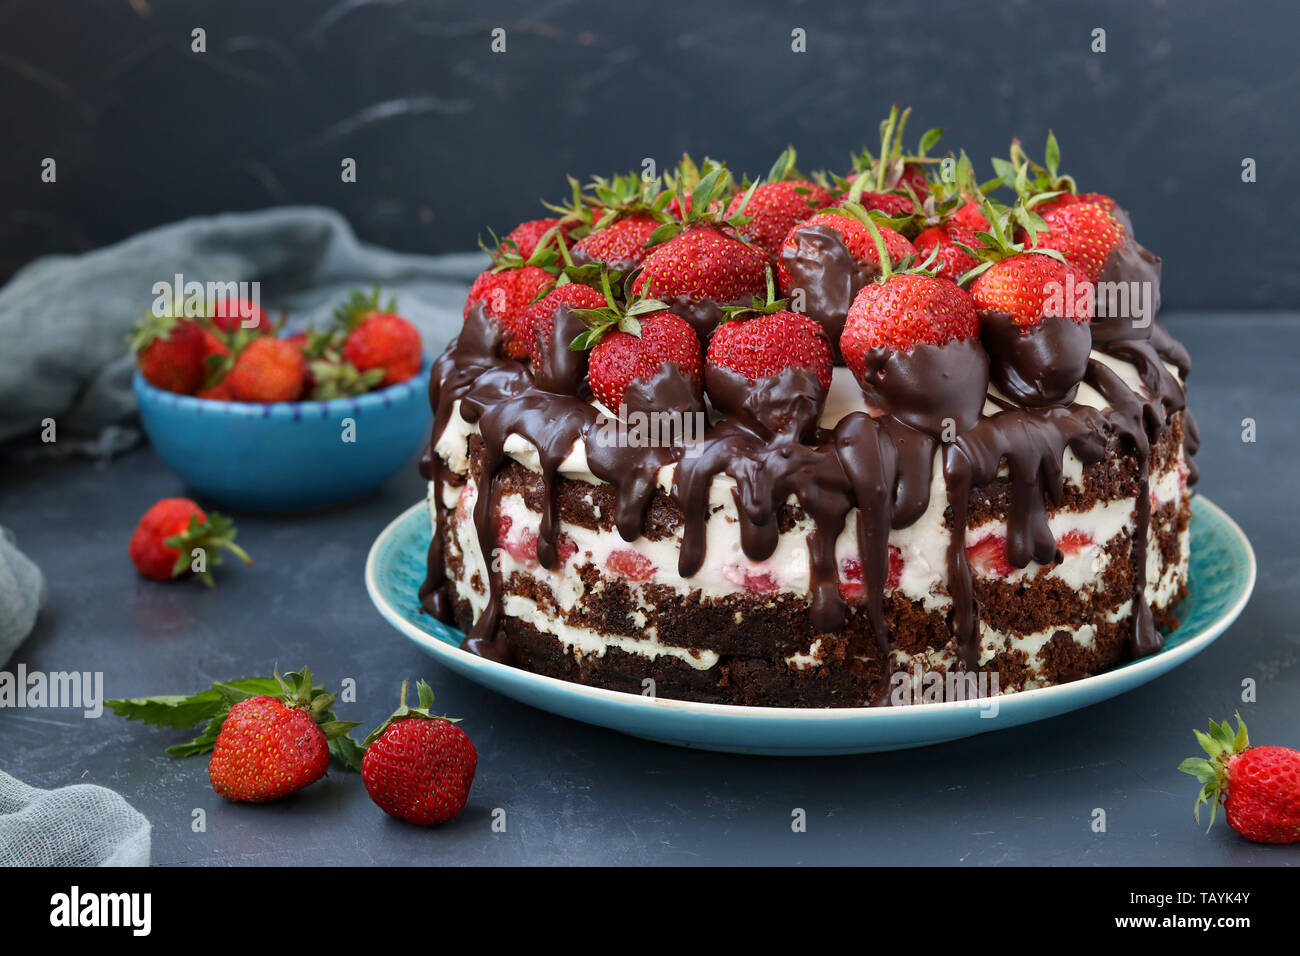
[(257, 419)]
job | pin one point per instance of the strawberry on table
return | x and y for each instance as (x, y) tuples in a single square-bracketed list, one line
[(419, 767), (269, 736), (169, 352), (163, 543), (272, 746), (1259, 787)]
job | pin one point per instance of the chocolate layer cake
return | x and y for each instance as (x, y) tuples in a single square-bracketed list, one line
[(991, 513)]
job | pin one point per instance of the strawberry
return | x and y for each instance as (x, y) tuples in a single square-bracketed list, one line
[(903, 311), (703, 263), (419, 767), (851, 572), (1258, 786), (1030, 287), (988, 557), (703, 257), (891, 204), (169, 353), (970, 215), (1083, 232), (777, 204), (219, 392), (621, 244), (770, 343), (388, 343), (523, 239), (1073, 542), (624, 355), (506, 295), (268, 369), (857, 239), (952, 261), (630, 564), (235, 313), (270, 747), (164, 541), (540, 316), (381, 347)]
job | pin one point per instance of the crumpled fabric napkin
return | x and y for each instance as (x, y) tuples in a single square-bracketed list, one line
[(22, 593), (81, 825), (64, 319), (64, 322)]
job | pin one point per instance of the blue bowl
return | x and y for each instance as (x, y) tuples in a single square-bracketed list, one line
[(287, 456)]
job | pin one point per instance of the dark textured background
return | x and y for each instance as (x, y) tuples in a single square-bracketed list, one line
[(450, 138)]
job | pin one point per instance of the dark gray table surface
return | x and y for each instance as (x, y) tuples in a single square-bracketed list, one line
[(575, 794)]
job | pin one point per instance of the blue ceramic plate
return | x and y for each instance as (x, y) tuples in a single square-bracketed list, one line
[(1222, 577)]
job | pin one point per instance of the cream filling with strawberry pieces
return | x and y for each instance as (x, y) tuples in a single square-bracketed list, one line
[(918, 552)]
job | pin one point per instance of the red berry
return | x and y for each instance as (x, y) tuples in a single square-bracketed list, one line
[(988, 557), (540, 317), (419, 767), (1084, 232), (905, 311), (621, 244), (388, 342), (169, 353), (769, 344), (266, 750), (704, 263), (1029, 287), (526, 236), (1258, 786), (164, 541), (506, 296), (268, 370), (1073, 542), (857, 239), (620, 358), (630, 564), (235, 313), (952, 261), (774, 208)]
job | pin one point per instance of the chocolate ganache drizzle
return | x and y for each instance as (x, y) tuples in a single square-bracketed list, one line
[(925, 403)]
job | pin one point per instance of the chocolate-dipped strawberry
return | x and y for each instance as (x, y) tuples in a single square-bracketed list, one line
[(1034, 311), (827, 259), (1091, 231), (643, 357), (769, 368), (912, 341), (509, 287)]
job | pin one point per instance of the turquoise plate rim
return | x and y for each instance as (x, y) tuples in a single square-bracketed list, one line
[(809, 731)]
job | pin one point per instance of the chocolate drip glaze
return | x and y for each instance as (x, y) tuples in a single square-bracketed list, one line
[(771, 447), (821, 265), (939, 389), (1042, 365)]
